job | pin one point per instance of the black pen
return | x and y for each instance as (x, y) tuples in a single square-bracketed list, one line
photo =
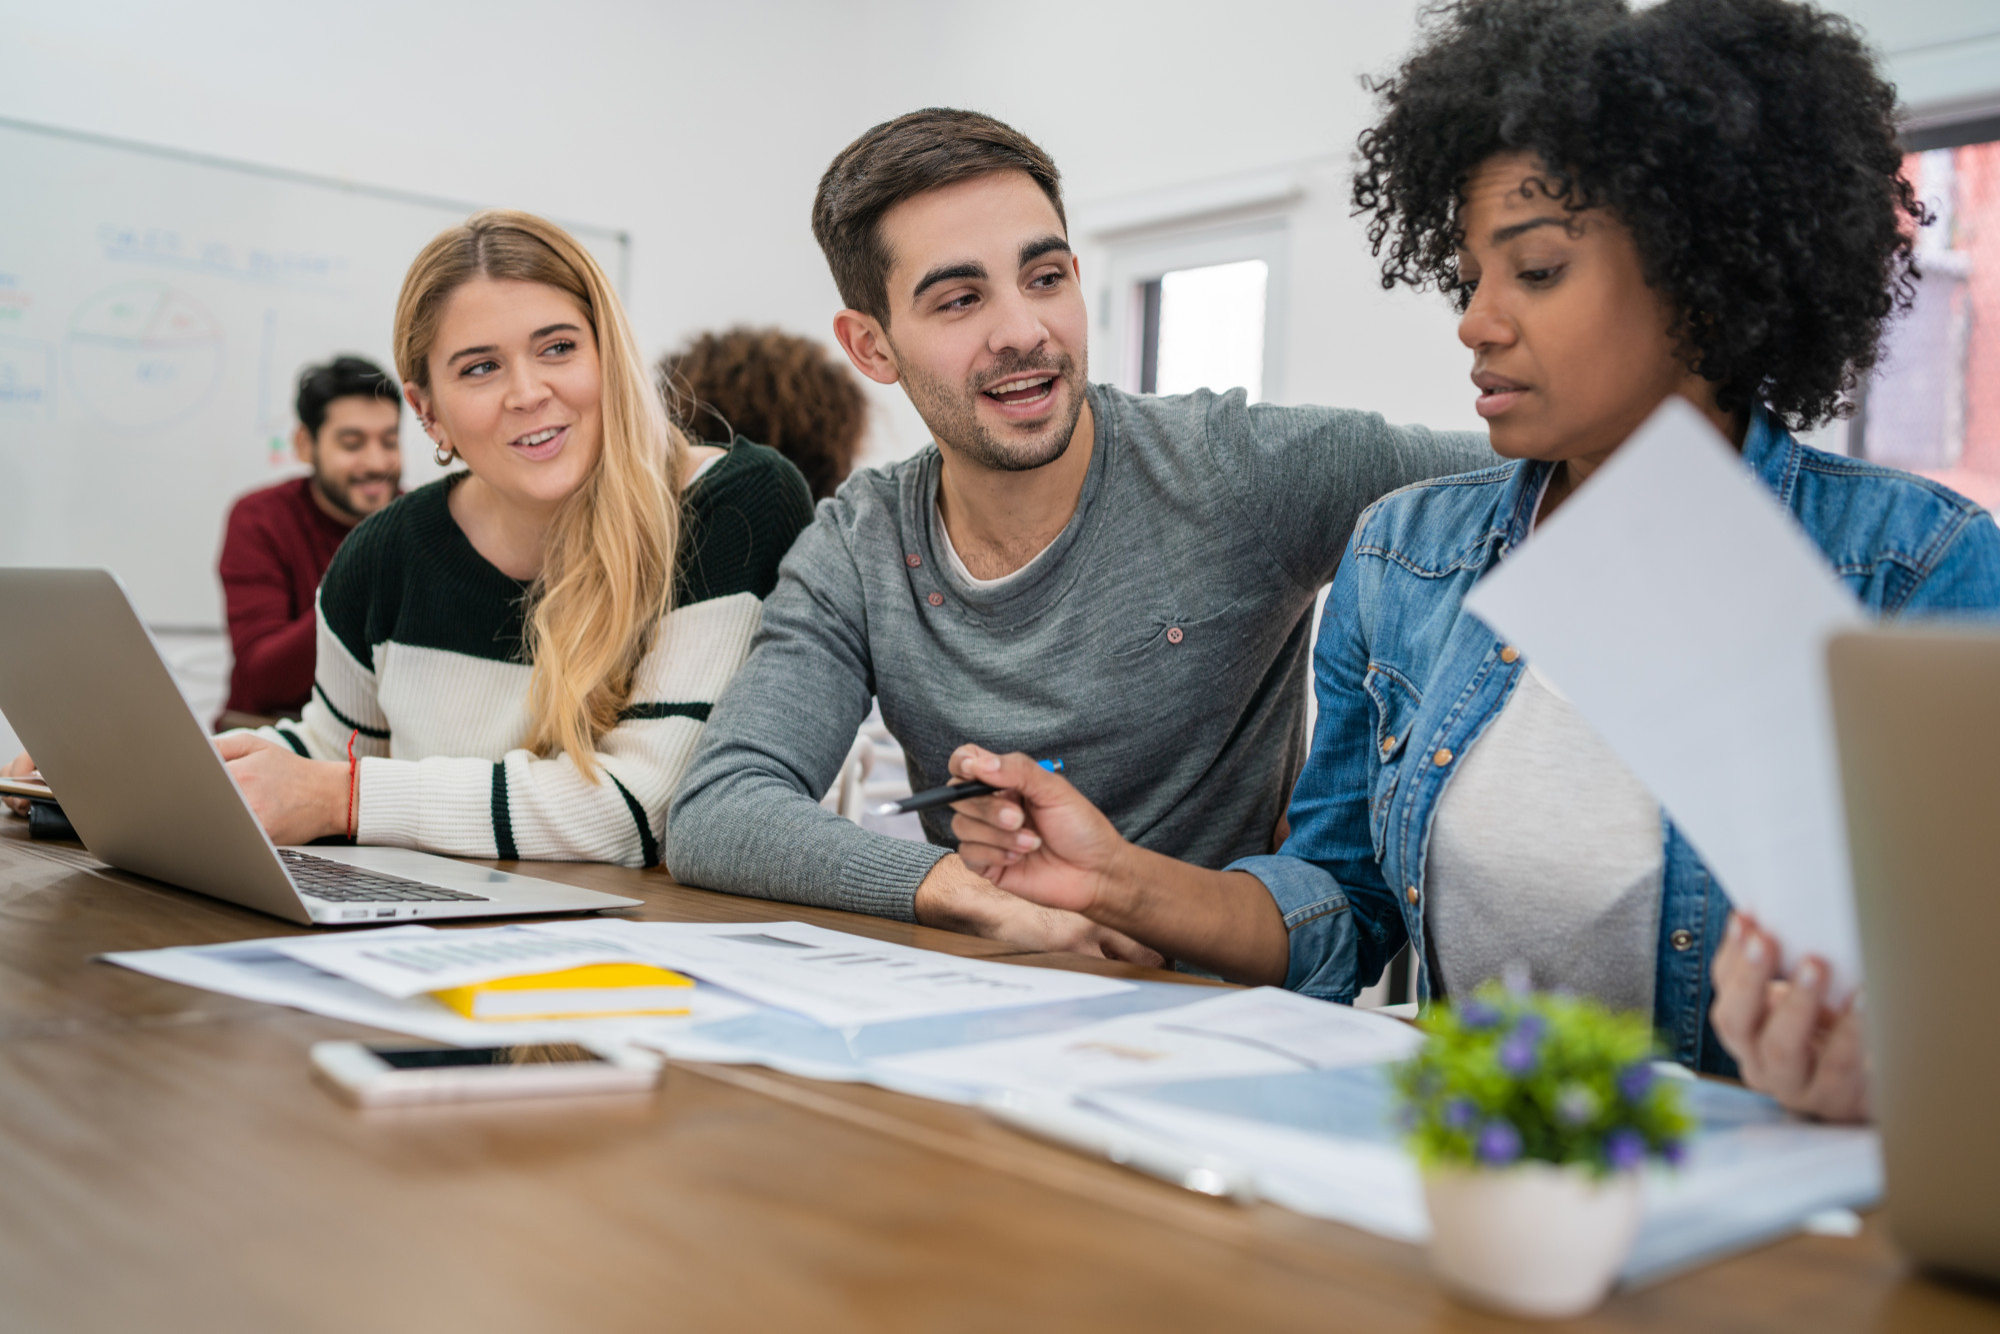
[(950, 792)]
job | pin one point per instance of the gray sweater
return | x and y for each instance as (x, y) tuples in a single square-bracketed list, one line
[(1159, 646)]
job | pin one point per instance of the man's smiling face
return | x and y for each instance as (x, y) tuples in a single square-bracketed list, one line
[(986, 319)]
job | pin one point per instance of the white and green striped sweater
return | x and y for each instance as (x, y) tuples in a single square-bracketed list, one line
[(420, 652)]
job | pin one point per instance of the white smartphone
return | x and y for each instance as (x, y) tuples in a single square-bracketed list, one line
[(400, 1076)]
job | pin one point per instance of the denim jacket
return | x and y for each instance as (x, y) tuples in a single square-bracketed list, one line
[(1407, 681)]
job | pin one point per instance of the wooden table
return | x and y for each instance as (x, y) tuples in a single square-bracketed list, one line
[(166, 1164)]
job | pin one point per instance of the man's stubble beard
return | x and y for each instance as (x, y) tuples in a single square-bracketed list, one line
[(342, 497), (952, 414)]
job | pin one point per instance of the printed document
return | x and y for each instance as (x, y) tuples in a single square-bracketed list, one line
[(1685, 614), (1256, 1032), (258, 970), (839, 980), (409, 965)]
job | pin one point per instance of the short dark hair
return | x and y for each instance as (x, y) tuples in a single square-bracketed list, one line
[(343, 377), (897, 160), (772, 387), (1749, 145)]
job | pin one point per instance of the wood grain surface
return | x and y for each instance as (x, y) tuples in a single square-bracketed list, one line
[(166, 1164)]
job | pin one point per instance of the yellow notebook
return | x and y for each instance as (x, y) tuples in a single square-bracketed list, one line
[(594, 991)]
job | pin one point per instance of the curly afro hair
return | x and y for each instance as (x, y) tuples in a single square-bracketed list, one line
[(772, 387), (1749, 145)]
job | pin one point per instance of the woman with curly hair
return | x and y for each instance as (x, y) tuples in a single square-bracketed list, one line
[(1700, 198), (772, 387)]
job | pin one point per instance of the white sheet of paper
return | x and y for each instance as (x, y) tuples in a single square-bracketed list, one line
[(838, 979), (397, 964), (1257, 1032), (1685, 614), (257, 970)]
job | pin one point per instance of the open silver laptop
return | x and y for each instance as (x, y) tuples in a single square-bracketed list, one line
[(1917, 710), (83, 684)]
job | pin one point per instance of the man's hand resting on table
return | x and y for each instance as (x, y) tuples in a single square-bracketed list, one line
[(955, 898), (1042, 839), (1786, 1041)]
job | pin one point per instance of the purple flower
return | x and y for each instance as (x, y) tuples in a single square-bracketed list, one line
[(1675, 1152), (1519, 1050), (1624, 1149), (1460, 1113), (1532, 1025), (1499, 1144), (1477, 1015), (1635, 1081)]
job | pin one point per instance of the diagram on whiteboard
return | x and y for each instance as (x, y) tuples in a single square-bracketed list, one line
[(143, 353)]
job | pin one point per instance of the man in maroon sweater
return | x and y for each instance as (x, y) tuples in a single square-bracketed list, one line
[(281, 539)]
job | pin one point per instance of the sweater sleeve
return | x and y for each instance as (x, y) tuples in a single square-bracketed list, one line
[(273, 648), (536, 809), (1302, 475), (343, 704), (747, 819)]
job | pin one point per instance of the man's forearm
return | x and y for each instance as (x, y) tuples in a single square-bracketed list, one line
[(1224, 921)]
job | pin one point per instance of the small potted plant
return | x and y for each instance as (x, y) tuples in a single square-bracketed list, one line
[(1531, 1116)]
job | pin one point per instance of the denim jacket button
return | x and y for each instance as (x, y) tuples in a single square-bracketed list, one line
[(1411, 895), (1681, 938), (1510, 655), (1441, 759)]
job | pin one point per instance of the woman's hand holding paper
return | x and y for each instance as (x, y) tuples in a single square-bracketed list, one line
[(1786, 1041)]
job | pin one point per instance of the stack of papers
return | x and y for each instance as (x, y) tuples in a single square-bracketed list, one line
[(1292, 1093)]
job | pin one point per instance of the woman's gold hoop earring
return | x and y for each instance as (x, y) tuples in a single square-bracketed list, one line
[(444, 454)]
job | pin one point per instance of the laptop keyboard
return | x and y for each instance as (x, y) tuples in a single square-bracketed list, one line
[(337, 882)]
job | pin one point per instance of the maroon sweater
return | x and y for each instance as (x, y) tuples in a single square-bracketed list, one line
[(276, 548)]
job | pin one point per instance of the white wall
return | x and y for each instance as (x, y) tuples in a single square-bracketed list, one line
[(702, 128)]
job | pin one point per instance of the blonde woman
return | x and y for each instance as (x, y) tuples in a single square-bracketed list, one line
[(522, 655)]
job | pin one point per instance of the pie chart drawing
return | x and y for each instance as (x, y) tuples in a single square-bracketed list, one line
[(143, 354)]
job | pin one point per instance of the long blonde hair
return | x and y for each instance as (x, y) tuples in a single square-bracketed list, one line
[(607, 579)]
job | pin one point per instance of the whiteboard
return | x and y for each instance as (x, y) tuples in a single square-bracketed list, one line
[(156, 308)]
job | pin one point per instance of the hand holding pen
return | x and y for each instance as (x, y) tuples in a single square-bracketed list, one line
[(932, 798), (1032, 834)]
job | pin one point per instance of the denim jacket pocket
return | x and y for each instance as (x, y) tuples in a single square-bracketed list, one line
[(1396, 703)]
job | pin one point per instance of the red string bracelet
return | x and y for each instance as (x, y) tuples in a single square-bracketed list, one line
[(353, 780)]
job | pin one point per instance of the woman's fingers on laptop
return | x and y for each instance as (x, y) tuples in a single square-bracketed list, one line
[(18, 767), (235, 745), (296, 799)]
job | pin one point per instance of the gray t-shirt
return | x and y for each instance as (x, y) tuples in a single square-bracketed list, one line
[(1546, 853), (1158, 646)]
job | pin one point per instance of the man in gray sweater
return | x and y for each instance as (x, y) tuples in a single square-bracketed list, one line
[(1121, 581)]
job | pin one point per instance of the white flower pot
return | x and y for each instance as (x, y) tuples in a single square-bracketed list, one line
[(1533, 1239)]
